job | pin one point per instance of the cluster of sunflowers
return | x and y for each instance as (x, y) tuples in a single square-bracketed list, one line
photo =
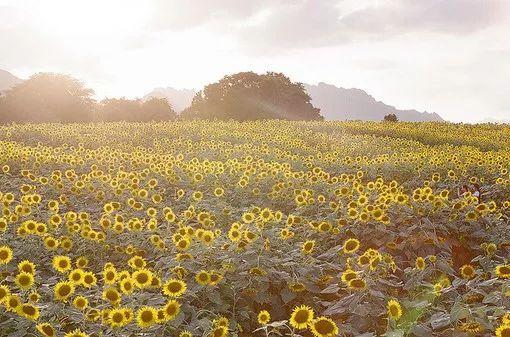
[(263, 228)]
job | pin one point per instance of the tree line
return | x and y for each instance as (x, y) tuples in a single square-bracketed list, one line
[(51, 97)]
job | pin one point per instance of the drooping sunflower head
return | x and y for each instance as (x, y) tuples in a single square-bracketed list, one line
[(357, 284), (46, 329)]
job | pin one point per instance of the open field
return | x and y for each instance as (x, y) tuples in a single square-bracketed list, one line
[(180, 228)]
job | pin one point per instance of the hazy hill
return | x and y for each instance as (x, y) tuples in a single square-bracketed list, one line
[(7, 80), (178, 98), (355, 104)]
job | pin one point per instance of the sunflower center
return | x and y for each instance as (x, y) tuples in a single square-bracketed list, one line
[(324, 327), (302, 316)]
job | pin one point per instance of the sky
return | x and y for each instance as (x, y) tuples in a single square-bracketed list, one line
[(446, 56)]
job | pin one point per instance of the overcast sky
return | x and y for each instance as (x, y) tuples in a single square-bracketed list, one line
[(445, 56)]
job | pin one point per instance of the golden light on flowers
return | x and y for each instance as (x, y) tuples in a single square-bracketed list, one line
[(149, 213), (394, 309), (263, 317), (323, 327), (301, 316)]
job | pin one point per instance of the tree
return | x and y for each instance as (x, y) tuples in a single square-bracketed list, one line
[(391, 118), (250, 96), (122, 109), (48, 97)]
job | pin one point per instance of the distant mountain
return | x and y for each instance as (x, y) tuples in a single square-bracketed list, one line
[(178, 98), (355, 104), (7, 80)]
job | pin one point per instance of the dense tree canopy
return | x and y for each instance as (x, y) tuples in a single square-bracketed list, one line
[(122, 109), (47, 97), (249, 96)]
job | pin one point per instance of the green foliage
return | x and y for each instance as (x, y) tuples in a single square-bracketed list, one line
[(249, 96)]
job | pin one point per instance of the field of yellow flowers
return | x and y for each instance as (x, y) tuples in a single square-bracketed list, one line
[(266, 228)]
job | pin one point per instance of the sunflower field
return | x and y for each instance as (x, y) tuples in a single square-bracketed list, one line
[(263, 228)]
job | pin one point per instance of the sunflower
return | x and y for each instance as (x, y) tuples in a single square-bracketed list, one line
[(117, 318), (219, 331), (12, 302), (76, 276), (348, 275), (146, 316), (89, 279), (76, 333), (171, 310), (185, 333), (143, 278), (34, 297), (137, 262), (323, 327), (203, 277), (471, 327), (5, 292), (357, 284), (127, 285), (174, 287), (63, 290), (27, 267), (111, 295), (307, 246), (301, 316), (61, 263), (109, 275), (351, 246), (28, 311), (5, 255), (394, 309), (503, 330), (80, 302), (467, 271), (419, 263), (263, 317), (24, 280), (503, 271), (297, 287), (221, 321), (506, 318), (46, 330)]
